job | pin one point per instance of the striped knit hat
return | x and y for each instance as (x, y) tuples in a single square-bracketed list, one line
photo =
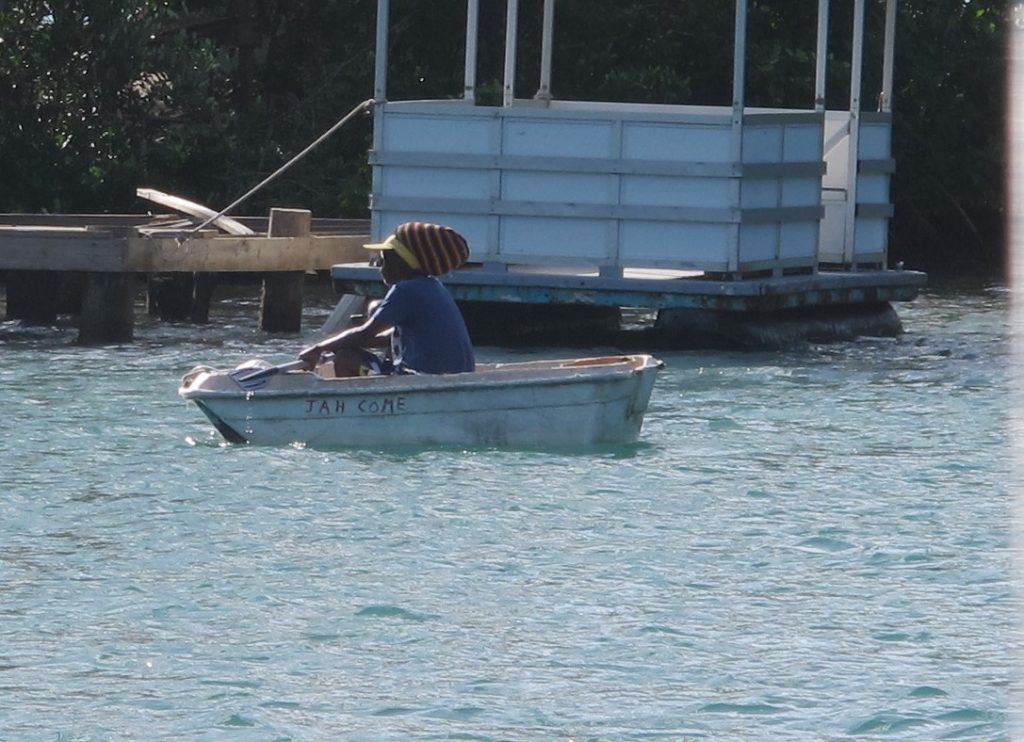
[(431, 248)]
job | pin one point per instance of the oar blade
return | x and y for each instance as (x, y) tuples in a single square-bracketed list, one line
[(251, 379)]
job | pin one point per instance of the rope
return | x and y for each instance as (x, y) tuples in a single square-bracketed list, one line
[(365, 105)]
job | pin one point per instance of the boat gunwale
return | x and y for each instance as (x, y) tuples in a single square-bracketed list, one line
[(504, 376)]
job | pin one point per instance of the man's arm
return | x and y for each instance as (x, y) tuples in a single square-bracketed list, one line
[(365, 335)]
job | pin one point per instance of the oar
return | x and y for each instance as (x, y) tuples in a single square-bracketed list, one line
[(250, 379), (348, 306)]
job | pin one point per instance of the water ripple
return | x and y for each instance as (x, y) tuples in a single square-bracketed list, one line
[(811, 544)]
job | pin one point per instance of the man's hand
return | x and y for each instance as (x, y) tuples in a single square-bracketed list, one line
[(355, 337), (311, 355)]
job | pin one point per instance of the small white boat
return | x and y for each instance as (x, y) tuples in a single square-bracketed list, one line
[(537, 404)]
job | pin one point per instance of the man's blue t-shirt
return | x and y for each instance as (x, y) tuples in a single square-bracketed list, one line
[(430, 335)]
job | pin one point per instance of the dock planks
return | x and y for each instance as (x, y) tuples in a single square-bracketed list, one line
[(111, 250), (86, 249)]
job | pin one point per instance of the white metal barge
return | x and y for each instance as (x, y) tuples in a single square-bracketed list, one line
[(728, 209)]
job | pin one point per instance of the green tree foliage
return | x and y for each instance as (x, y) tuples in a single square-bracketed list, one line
[(99, 95), (201, 98), (206, 97), (948, 104)]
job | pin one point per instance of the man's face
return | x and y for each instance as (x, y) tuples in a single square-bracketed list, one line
[(389, 267)]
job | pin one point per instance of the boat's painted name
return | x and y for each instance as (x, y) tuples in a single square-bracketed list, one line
[(365, 406)]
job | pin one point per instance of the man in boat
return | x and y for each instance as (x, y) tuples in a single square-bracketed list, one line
[(427, 332)]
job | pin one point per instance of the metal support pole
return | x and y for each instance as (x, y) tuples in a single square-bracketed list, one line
[(472, 31), (885, 97), (544, 92), (739, 59), (738, 104), (857, 62), (511, 33), (380, 68), (853, 158), (380, 81), (821, 56)]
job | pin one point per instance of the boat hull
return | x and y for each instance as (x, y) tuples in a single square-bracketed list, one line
[(570, 403)]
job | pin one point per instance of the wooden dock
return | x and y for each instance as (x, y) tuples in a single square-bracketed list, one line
[(107, 255)]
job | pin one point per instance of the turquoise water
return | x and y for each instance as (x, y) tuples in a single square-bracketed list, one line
[(810, 544)]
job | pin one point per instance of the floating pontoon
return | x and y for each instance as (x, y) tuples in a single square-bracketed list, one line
[(665, 207)]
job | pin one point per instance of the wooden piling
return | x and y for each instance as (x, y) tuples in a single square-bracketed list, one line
[(108, 308), (69, 295), (281, 299), (32, 295), (180, 296), (202, 293)]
